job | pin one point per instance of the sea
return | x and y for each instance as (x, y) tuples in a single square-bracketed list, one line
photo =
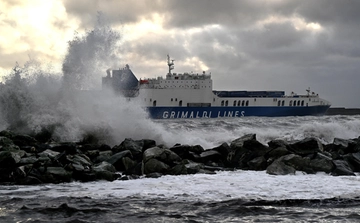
[(227, 196)]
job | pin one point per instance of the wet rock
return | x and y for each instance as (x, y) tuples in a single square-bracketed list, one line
[(134, 146), (211, 155), (68, 147), (187, 151), (258, 163), (7, 144), (342, 168), (161, 154), (306, 146), (322, 163), (245, 149), (116, 159), (58, 175), (280, 168), (28, 160), (105, 171), (24, 140), (129, 165), (178, 169), (298, 162), (278, 143), (353, 159), (9, 159), (80, 159), (103, 156), (154, 165), (104, 166), (49, 153), (193, 167)]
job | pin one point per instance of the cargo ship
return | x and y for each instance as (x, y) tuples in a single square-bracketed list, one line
[(189, 95)]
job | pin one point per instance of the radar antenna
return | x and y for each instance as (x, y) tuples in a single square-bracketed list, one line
[(170, 64)]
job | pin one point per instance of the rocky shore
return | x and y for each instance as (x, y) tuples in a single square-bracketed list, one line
[(30, 160)]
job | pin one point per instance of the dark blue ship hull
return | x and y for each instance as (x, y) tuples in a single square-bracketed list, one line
[(233, 112)]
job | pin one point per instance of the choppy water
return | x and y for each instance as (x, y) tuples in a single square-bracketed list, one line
[(240, 196)]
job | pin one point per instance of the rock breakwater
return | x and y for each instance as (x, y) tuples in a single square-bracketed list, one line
[(29, 160)]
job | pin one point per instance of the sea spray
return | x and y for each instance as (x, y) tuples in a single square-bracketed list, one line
[(71, 106)]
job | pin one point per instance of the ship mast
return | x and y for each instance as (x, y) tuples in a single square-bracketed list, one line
[(170, 64)]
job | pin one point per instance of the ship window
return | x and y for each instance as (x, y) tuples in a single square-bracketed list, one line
[(242, 103), (278, 103), (222, 103), (180, 103), (226, 103), (234, 103), (283, 103), (238, 104), (214, 100), (302, 103), (171, 99), (150, 99), (175, 99), (298, 103), (290, 103), (247, 103), (154, 103)]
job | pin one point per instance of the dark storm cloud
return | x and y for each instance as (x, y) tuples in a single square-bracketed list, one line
[(117, 12)]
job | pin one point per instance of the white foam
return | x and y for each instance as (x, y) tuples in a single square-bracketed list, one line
[(201, 187)]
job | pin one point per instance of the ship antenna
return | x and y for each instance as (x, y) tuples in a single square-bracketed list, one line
[(170, 64)]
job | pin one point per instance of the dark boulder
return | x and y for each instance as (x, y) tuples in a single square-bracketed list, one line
[(136, 147), (298, 162), (322, 163), (68, 147), (278, 143), (24, 140), (105, 171), (353, 159), (9, 159), (278, 152), (116, 159), (258, 163), (155, 166), (164, 155), (245, 149), (187, 151), (130, 166), (56, 175), (307, 146), (103, 156), (211, 155), (280, 168), (7, 144), (342, 168)]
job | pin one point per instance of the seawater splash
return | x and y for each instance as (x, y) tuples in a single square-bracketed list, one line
[(211, 133), (70, 106)]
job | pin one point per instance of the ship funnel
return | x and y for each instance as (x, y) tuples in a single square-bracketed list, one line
[(108, 72)]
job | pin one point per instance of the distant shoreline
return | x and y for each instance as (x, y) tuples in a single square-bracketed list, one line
[(343, 111)]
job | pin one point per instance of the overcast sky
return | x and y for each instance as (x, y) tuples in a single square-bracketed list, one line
[(246, 45)]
